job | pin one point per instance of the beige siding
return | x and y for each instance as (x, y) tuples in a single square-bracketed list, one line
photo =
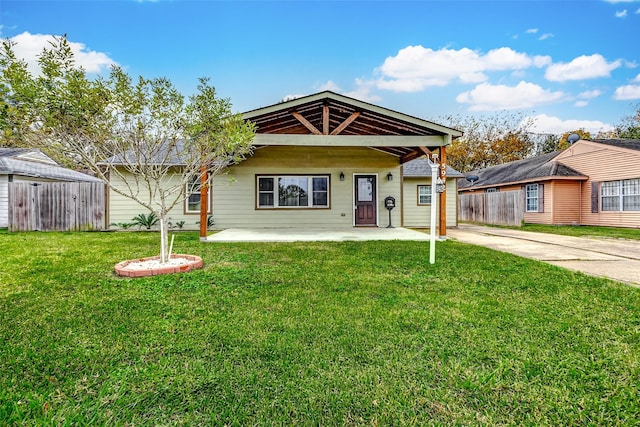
[(565, 202), (122, 209), (420, 215), (545, 217), (234, 194), (4, 201), (603, 163)]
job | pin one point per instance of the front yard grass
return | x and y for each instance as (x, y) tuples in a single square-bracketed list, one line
[(584, 231), (348, 333)]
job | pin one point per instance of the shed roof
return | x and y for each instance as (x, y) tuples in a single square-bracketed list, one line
[(11, 164), (543, 166)]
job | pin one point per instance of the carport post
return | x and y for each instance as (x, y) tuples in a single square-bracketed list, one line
[(432, 226)]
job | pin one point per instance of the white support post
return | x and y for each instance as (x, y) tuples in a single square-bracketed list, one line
[(432, 226)]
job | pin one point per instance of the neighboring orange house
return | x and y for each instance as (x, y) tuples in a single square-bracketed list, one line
[(590, 183)]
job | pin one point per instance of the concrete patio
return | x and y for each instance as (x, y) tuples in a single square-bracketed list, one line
[(314, 234)]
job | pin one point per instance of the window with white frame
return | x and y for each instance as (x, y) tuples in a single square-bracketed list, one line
[(531, 198), (293, 191), (620, 196), (192, 191), (424, 194)]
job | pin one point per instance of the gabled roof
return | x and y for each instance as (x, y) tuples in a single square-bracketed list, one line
[(421, 168), (372, 119), (526, 170), (330, 119), (12, 163)]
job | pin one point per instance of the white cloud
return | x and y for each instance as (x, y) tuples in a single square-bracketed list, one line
[(532, 31), (487, 97), (590, 94), (363, 91), (545, 36), (637, 79), (638, 11), (29, 47), (415, 68), (580, 68), (329, 85), (584, 97), (621, 13), (553, 125), (627, 92)]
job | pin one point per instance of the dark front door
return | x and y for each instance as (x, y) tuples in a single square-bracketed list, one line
[(366, 200)]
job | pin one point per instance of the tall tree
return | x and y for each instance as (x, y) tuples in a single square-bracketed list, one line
[(17, 90), (488, 141), (141, 134), (629, 128), (564, 143)]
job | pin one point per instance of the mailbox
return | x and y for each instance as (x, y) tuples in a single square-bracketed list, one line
[(389, 202)]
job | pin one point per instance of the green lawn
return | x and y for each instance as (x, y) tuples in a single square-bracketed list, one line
[(350, 333), (584, 231)]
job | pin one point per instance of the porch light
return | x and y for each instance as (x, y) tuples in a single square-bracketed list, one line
[(389, 176), (341, 176)]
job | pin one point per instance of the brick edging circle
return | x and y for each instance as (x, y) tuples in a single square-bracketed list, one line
[(122, 267)]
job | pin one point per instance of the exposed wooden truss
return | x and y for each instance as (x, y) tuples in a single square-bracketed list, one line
[(335, 117)]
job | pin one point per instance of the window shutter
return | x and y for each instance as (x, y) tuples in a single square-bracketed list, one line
[(595, 197), (540, 197)]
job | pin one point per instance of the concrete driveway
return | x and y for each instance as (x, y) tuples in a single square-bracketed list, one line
[(615, 259)]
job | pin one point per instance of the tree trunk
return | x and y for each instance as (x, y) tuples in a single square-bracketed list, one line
[(164, 240)]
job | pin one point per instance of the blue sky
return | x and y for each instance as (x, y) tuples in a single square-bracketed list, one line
[(570, 64)]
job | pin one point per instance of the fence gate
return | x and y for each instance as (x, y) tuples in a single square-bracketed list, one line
[(56, 206), (499, 208)]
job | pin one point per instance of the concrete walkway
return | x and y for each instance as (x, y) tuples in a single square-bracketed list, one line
[(615, 259)]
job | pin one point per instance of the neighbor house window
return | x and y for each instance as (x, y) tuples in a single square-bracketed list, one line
[(424, 194), (192, 203), (621, 195), (492, 190), (531, 200), (293, 191)]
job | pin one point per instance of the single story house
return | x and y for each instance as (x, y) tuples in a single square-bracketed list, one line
[(323, 161), (590, 183), (28, 165)]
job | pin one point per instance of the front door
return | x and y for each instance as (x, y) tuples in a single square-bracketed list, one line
[(366, 200)]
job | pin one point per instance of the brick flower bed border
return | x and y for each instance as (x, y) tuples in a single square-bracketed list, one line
[(123, 269)]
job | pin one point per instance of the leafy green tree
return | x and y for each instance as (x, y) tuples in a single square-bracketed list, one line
[(142, 134), (17, 90)]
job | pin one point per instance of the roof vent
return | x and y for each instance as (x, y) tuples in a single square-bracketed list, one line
[(472, 178)]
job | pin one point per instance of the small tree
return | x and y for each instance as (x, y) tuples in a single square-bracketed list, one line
[(141, 134)]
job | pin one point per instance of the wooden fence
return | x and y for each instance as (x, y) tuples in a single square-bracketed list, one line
[(56, 206), (499, 208)]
